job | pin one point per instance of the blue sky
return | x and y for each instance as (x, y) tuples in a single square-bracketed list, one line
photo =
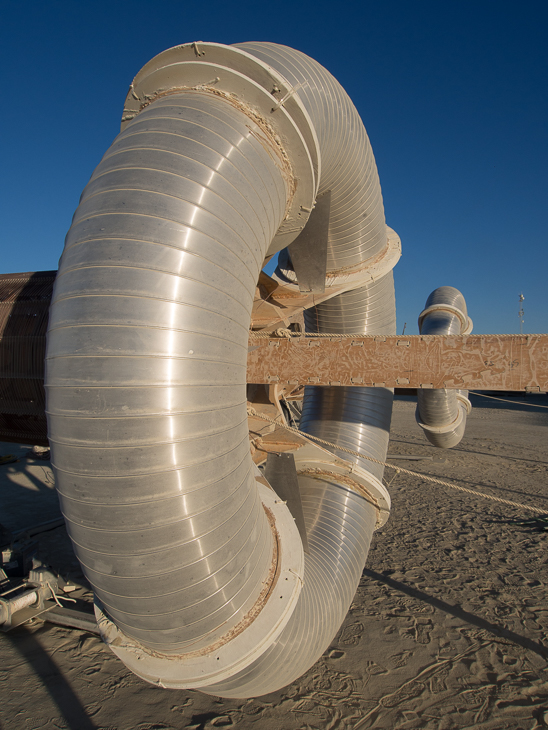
[(452, 94)]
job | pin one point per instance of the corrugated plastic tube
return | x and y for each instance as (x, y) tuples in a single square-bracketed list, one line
[(442, 413), (146, 374)]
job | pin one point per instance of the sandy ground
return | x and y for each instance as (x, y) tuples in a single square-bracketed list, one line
[(448, 629)]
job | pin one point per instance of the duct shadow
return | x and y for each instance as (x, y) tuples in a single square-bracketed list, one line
[(498, 455), (539, 523), (42, 484), (27, 494), (460, 613), (47, 482), (537, 403), (52, 678)]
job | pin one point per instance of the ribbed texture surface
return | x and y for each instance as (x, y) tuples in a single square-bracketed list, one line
[(146, 371), (357, 418), (339, 527), (441, 407), (339, 523), (357, 227)]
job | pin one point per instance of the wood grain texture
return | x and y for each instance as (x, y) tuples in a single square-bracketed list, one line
[(484, 362)]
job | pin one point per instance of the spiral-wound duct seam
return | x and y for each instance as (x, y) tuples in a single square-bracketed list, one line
[(145, 374), (339, 523), (357, 230), (442, 413)]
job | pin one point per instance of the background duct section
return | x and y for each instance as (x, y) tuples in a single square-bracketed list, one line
[(441, 408), (357, 230)]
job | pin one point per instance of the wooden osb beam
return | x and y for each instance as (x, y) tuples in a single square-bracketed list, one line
[(484, 362)]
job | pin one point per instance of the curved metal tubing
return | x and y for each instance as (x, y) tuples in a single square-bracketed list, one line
[(442, 413), (146, 371), (145, 374), (357, 230), (339, 524)]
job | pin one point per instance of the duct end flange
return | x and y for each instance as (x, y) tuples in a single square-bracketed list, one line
[(260, 92), (313, 461), (243, 643), (354, 277), (448, 427)]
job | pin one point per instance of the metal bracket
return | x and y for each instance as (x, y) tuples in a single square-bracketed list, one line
[(27, 599), (308, 251), (281, 473)]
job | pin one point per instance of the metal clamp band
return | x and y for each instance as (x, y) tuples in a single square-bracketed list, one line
[(466, 323), (246, 82)]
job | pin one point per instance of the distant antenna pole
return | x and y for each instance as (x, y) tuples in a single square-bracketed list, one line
[(521, 313), (404, 326)]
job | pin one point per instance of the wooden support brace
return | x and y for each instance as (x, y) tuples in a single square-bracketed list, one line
[(471, 362)]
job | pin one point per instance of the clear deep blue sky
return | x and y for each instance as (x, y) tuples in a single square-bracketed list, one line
[(452, 93)]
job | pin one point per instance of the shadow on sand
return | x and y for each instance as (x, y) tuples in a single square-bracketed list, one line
[(455, 610), (28, 645)]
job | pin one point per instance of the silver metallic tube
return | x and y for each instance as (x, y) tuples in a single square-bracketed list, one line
[(339, 526), (339, 523), (442, 413), (356, 418), (146, 358), (357, 230), (146, 371)]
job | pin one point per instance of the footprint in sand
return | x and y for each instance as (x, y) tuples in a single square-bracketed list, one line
[(372, 668), (477, 695), (422, 630), (403, 694), (400, 659), (351, 635), (222, 721), (438, 683)]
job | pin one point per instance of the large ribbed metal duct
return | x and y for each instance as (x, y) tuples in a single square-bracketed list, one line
[(339, 524), (357, 230), (145, 373), (358, 418), (442, 413)]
